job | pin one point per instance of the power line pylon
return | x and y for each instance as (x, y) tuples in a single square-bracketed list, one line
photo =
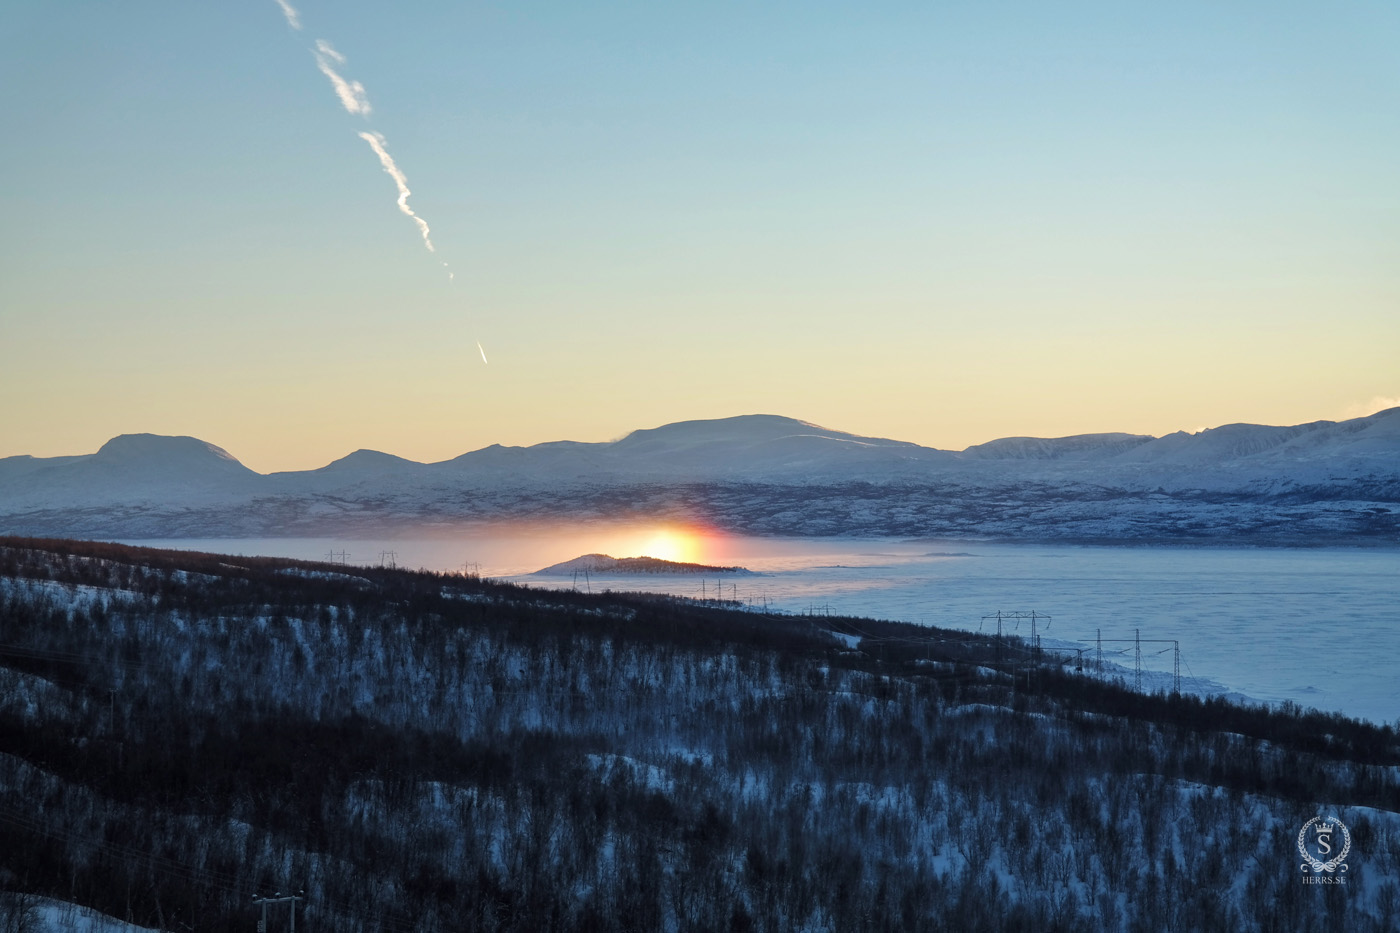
[(278, 899)]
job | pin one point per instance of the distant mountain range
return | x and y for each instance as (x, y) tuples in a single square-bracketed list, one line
[(1324, 482)]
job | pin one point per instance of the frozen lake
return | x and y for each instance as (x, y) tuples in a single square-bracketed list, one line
[(1319, 627)]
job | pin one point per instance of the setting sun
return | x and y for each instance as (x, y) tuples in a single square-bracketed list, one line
[(673, 544)]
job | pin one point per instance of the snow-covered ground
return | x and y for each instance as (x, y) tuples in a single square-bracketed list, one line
[(53, 916), (1320, 627)]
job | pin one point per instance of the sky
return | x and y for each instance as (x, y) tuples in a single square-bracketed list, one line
[(941, 222)]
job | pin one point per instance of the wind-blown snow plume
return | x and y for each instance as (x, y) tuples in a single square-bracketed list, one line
[(293, 19), (376, 142), (351, 93), (1364, 409)]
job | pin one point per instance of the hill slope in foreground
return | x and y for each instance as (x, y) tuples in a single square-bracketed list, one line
[(181, 732)]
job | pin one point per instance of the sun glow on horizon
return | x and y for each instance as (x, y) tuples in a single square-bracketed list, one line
[(674, 544), (681, 542)]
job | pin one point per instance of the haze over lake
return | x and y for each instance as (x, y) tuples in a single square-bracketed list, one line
[(1320, 627)]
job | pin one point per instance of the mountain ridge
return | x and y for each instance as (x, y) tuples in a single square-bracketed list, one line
[(740, 431), (1322, 482)]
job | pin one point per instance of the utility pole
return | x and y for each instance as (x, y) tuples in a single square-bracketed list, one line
[(1137, 667), (278, 899), (1013, 681)]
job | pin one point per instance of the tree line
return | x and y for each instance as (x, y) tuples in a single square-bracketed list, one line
[(180, 732)]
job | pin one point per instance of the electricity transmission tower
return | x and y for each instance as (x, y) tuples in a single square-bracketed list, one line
[(1036, 618), (1137, 641), (278, 899)]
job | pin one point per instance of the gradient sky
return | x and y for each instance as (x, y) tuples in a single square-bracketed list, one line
[(939, 222)]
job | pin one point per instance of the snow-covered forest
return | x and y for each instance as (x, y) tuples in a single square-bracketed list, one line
[(414, 751)]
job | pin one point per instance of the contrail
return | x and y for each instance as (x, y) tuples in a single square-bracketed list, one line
[(376, 142), (325, 48), (290, 12), (354, 99), (351, 93)]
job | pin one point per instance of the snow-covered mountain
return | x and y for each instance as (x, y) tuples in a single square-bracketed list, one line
[(1079, 447), (128, 469), (1324, 481)]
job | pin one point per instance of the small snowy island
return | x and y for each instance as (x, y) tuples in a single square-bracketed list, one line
[(602, 563)]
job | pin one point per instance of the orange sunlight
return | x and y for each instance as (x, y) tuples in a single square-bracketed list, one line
[(677, 544)]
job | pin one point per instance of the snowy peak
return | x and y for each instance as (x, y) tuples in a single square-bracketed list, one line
[(757, 444), (1229, 442), (742, 430), (1077, 447), (549, 463), (1375, 435), (717, 448), (147, 450), (368, 461), (132, 468)]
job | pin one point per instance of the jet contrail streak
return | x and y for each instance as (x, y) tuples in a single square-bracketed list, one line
[(376, 142), (354, 99), (326, 48), (483, 354), (290, 12), (351, 93)]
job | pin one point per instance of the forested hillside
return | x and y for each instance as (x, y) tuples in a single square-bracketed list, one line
[(182, 732)]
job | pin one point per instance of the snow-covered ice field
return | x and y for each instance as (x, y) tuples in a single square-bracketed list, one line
[(1320, 627)]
